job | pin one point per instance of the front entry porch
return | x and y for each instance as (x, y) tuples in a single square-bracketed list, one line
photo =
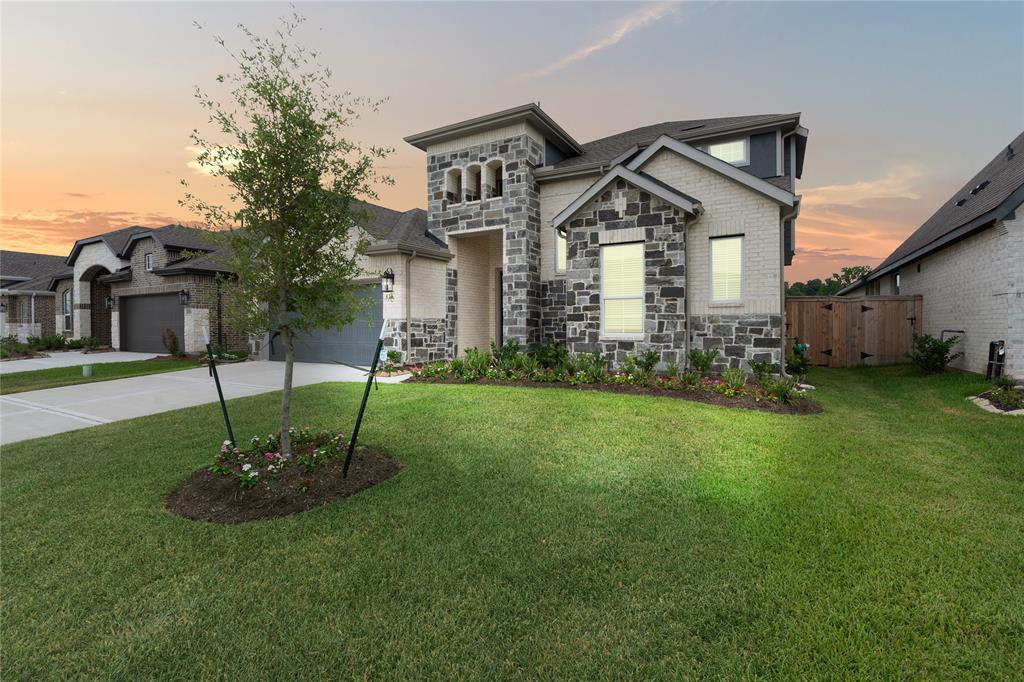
[(479, 320)]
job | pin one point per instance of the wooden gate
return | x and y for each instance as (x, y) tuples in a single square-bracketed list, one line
[(849, 332)]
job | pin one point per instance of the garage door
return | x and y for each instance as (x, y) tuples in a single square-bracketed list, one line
[(352, 345), (143, 320)]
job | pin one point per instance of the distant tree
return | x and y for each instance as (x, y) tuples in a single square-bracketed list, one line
[(295, 181), (832, 285)]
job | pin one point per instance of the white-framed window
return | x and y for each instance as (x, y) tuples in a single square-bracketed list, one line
[(896, 284), (622, 290), (736, 152), (149, 262), (726, 269), (66, 308), (561, 247)]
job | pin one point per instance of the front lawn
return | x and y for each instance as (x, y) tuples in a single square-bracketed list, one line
[(33, 380), (539, 533)]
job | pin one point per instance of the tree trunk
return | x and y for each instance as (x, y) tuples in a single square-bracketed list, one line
[(286, 392)]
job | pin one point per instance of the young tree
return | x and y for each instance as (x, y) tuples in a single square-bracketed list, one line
[(295, 182)]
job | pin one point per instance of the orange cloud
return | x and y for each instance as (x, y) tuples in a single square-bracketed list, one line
[(54, 231)]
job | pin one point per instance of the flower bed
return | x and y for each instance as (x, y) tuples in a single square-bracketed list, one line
[(1006, 397), (543, 367), (259, 482)]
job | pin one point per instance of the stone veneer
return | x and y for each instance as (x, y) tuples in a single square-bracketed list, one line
[(451, 288), (517, 212), (428, 341), (739, 337), (552, 311), (661, 228)]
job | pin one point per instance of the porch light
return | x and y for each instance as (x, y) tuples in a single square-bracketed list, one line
[(387, 281), (183, 297), (3, 307), (108, 303)]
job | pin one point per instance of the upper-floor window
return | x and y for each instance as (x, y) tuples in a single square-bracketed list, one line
[(495, 178), (726, 269), (622, 289), (473, 180), (560, 251), (453, 186), (736, 152), (65, 300), (896, 284), (149, 262)]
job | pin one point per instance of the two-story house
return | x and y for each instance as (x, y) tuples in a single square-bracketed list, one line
[(667, 237)]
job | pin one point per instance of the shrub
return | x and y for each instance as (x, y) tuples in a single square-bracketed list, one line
[(1007, 397), (735, 378), (526, 365), (797, 365), (1004, 382), (551, 355), (701, 360), (931, 355), (73, 344), (88, 342), (782, 389), (761, 369), (671, 369), (394, 357), (170, 341), (11, 346), (505, 356)]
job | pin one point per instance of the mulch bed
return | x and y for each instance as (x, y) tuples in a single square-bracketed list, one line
[(215, 498), (800, 406), (988, 395)]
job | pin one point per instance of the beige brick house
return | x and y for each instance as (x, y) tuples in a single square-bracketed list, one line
[(967, 263)]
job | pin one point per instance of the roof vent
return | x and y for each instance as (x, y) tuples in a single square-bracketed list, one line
[(981, 186), (961, 202), (1009, 152)]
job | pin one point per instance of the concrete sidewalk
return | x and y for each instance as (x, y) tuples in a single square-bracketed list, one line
[(70, 358), (56, 410)]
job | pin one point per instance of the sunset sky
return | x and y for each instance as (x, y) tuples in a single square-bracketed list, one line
[(904, 101)]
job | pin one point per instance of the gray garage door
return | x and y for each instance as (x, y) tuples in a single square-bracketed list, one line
[(352, 345), (143, 320)]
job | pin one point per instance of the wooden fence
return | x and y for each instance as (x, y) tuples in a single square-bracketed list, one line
[(850, 332)]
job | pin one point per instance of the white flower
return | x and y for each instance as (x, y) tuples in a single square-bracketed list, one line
[(246, 467), (253, 473), (227, 442)]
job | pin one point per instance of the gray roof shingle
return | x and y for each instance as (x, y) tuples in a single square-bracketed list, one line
[(1004, 175), (24, 264)]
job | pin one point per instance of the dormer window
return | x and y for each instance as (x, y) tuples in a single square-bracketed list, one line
[(494, 178), (473, 179), (453, 186), (149, 262), (736, 152)]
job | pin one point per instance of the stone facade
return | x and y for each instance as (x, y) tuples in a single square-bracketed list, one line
[(428, 341), (661, 228), (451, 311), (552, 311), (738, 338), (516, 212)]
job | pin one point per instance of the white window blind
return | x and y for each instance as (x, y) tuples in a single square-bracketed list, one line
[(622, 288), (734, 152), (726, 268), (560, 258)]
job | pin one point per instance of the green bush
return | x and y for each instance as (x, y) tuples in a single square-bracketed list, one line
[(88, 342), (761, 369), (170, 341), (671, 369), (1007, 397), (591, 366), (477, 363), (551, 355), (701, 360), (735, 378), (931, 355), (73, 344), (505, 356), (782, 389), (394, 357), (797, 365)]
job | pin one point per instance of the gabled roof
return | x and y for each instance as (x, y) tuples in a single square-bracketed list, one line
[(992, 194), (767, 189), (172, 237), (25, 265), (683, 202), (405, 231), (530, 113), (115, 240), (606, 149)]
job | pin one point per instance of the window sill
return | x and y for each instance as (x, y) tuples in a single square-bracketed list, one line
[(726, 304), (621, 337)]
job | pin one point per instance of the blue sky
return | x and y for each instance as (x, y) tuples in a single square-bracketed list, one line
[(904, 101)]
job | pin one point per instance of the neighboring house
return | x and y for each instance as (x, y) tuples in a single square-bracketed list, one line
[(26, 301), (667, 237), (126, 287), (967, 263)]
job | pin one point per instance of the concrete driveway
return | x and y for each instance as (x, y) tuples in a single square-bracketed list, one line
[(70, 358), (56, 410)]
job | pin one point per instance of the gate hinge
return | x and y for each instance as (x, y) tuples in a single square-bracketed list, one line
[(827, 306), (864, 355), (827, 351), (865, 308)]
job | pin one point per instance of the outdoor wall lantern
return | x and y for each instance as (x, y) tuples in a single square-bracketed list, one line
[(387, 281), (3, 307), (183, 297), (108, 302)]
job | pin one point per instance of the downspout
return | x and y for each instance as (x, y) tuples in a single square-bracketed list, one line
[(32, 323), (689, 289), (408, 306), (782, 279)]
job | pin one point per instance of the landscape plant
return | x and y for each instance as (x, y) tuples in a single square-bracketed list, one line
[(296, 184), (170, 341), (931, 354), (701, 360)]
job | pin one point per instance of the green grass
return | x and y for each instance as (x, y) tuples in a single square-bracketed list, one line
[(18, 382), (539, 533)]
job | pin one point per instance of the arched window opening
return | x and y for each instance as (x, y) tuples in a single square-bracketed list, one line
[(473, 180), (494, 179), (453, 186)]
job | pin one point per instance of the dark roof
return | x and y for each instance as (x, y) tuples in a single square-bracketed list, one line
[(986, 197), (396, 228), (30, 271), (607, 148), (531, 113), (28, 265), (116, 241), (173, 237)]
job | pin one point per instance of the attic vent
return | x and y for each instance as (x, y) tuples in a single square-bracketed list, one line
[(961, 202), (1009, 152), (980, 187)]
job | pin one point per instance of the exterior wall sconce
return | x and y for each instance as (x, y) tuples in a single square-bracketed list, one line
[(108, 303), (387, 281), (3, 307), (183, 297)]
